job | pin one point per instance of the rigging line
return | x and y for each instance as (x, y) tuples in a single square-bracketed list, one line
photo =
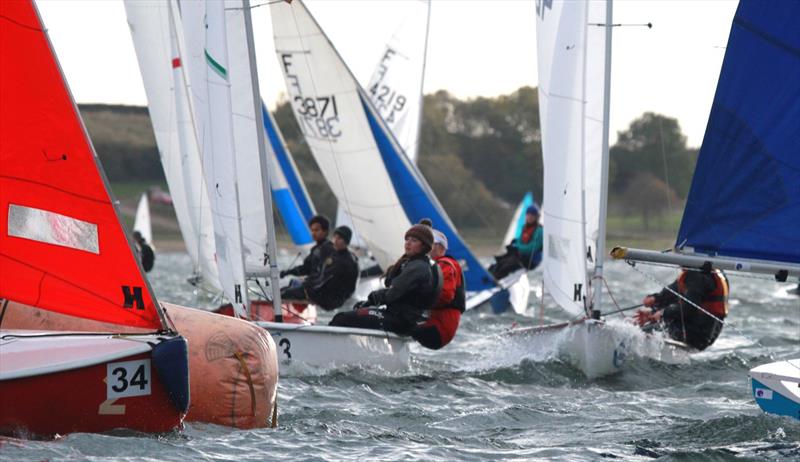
[(418, 137)]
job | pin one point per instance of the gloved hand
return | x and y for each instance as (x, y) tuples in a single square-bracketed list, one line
[(375, 298), (360, 304), (284, 273)]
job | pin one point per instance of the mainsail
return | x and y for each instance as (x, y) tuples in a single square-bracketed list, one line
[(571, 50), (395, 87), (365, 167), (156, 42), (62, 247), (206, 58), (745, 196)]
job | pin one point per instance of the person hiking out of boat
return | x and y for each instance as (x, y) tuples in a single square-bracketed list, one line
[(707, 288), (312, 265), (524, 251), (441, 326), (412, 285), (146, 254), (337, 281)]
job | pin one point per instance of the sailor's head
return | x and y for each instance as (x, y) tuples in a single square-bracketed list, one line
[(439, 244), (419, 240), (319, 226), (532, 214), (341, 237), (137, 236)]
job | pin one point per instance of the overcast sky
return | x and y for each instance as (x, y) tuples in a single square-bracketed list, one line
[(476, 48)]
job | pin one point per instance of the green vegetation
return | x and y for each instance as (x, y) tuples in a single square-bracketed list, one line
[(479, 155)]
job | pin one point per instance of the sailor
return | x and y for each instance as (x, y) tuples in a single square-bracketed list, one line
[(530, 241), (441, 325), (311, 267), (683, 321), (337, 281), (522, 252), (146, 254), (412, 285)]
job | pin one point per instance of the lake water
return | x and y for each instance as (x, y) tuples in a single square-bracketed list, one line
[(481, 399)]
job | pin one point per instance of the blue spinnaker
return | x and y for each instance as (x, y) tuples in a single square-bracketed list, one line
[(417, 204), (745, 195)]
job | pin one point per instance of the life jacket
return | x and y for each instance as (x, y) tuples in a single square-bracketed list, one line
[(459, 300), (716, 302), (527, 233)]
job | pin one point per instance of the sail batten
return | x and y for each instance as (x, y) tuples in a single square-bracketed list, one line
[(745, 196)]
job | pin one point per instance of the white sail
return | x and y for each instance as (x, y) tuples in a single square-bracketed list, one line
[(141, 222), (248, 169), (206, 59), (396, 84), (571, 79), (327, 103), (155, 41)]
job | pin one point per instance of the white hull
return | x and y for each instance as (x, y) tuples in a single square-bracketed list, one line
[(599, 349), (325, 347)]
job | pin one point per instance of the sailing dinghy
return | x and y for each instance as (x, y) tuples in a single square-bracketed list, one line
[(574, 56), (63, 249), (743, 209)]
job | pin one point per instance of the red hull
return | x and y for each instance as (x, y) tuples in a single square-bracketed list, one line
[(75, 401), (261, 310)]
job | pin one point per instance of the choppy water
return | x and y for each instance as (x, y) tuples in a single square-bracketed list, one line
[(482, 399)]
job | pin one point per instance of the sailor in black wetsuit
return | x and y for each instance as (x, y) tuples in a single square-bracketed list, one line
[(706, 288), (146, 254), (312, 265), (337, 281), (412, 287)]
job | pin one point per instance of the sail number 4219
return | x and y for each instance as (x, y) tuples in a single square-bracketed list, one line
[(128, 378)]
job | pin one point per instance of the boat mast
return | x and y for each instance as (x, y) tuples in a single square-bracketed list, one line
[(422, 85), (272, 248), (597, 292)]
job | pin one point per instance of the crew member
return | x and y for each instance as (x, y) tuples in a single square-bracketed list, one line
[(337, 281), (311, 267), (530, 240), (441, 326), (524, 251), (412, 287), (683, 321), (146, 254)]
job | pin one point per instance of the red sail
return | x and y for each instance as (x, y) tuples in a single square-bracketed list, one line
[(62, 247)]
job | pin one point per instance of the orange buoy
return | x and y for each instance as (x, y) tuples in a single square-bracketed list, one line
[(233, 365)]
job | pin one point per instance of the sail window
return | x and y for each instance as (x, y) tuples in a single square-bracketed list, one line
[(52, 228)]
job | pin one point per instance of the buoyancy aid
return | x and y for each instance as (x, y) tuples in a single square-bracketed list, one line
[(715, 302), (459, 300), (527, 233)]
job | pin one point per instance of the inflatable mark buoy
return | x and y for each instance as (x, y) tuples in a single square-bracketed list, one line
[(233, 365)]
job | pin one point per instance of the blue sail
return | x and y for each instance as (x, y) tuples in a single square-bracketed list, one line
[(745, 196), (418, 204), (290, 195)]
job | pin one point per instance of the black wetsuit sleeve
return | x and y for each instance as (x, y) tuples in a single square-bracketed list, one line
[(666, 297), (413, 276)]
